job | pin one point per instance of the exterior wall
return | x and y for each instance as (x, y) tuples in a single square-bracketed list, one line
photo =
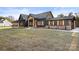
[(67, 24), (22, 23), (54, 27), (68, 27), (60, 25), (6, 23), (40, 23)]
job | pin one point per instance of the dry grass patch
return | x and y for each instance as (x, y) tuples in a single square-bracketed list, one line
[(34, 40)]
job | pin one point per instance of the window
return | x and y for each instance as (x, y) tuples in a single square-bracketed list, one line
[(40, 22), (61, 22), (55, 23), (66, 22)]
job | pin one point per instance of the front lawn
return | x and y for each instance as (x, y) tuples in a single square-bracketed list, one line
[(5, 27), (34, 39)]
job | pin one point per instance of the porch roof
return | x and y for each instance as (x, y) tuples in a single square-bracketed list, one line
[(63, 18)]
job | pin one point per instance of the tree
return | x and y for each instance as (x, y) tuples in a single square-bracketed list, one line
[(8, 19), (70, 14), (1, 17), (60, 15), (77, 19), (11, 17)]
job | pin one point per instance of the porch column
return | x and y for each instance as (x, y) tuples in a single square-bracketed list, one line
[(48, 24), (53, 23), (58, 24), (33, 22), (42, 23), (63, 23)]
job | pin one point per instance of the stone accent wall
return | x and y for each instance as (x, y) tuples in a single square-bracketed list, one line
[(68, 27), (60, 27)]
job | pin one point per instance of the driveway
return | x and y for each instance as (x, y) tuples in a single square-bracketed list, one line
[(75, 30)]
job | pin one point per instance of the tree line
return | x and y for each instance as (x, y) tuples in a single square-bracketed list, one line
[(8, 18)]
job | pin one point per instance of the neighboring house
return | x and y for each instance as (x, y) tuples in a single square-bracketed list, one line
[(47, 20), (5, 22)]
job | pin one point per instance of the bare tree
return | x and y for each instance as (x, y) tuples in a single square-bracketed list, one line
[(60, 15), (77, 19), (11, 17), (70, 14)]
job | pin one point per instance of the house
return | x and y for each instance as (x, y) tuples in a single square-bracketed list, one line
[(5, 22), (47, 20), (39, 19)]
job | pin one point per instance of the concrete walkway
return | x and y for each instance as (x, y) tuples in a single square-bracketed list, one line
[(73, 45), (75, 30)]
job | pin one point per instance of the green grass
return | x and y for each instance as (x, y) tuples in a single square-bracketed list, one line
[(5, 27), (34, 39)]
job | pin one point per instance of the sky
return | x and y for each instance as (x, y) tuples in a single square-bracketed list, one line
[(16, 11)]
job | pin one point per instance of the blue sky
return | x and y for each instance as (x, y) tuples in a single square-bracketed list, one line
[(16, 11)]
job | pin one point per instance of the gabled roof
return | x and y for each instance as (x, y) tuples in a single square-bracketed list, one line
[(63, 18), (23, 17), (43, 15), (1, 20)]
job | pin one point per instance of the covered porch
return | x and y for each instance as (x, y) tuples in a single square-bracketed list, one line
[(35, 22), (61, 24)]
